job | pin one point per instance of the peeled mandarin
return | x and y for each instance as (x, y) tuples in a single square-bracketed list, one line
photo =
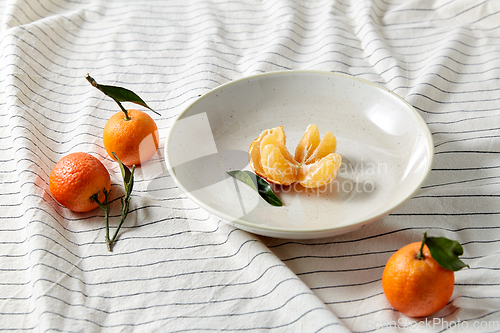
[(315, 163)]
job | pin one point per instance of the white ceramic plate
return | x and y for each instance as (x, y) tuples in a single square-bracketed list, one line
[(386, 147)]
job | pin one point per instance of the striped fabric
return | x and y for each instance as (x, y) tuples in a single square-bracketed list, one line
[(176, 268)]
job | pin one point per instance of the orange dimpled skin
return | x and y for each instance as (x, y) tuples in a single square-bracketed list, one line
[(416, 287), (76, 178), (134, 141)]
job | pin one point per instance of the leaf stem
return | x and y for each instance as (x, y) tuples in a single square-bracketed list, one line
[(128, 183), (91, 80), (125, 204), (105, 208), (420, 254), (127, 117)]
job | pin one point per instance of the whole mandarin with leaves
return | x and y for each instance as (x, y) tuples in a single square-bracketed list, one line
[(75, 178), (417, 285), (133, 137)]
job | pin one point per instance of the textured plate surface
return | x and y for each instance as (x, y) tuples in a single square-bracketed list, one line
[(386, 147)]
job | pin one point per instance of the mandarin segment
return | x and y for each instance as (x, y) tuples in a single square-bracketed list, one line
[(327, 146), (310, 140), (321, 172), (277, 168), (279, 133), (254, 155), (317, 164)]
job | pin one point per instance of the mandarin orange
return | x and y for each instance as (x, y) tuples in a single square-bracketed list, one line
[(416, 287), (315, 163), (134, 140), (76, 178)]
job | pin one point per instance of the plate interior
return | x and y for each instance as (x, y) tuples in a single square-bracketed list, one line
[(385, 145)]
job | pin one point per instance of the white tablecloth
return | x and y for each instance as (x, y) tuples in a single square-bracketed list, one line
[(177, 268)]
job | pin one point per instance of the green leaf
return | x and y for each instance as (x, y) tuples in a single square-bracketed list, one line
[(127, 175), (446, 252), (119, 94), (259, 184), (128, 183), (122, 95)]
